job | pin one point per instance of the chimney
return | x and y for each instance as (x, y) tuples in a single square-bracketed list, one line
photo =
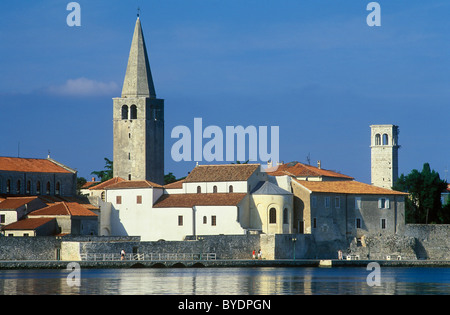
[(319, 165), (269, 164), (280, 163)]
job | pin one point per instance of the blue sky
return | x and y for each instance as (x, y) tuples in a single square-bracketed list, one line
[(313, 68)]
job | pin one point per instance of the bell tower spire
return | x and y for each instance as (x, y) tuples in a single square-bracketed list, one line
[(138, 119), (138, 78)]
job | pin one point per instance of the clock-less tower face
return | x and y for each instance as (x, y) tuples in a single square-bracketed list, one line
[(138, 120), (384, 155)]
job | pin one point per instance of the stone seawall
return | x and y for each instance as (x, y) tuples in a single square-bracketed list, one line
[(432, 240)]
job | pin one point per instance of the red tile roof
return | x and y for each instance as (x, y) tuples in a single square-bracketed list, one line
[(297, 169), (346, 187), (190, 200), (106, 183), (89, 184), (63, 208), (133, 184), (27, 224), (175, 185), (221, 173), (30, 165), (15, 202)]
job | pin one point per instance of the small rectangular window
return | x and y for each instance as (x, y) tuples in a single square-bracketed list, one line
[(180, 220), (213, 220), (358, 203), (2, 218), (337, 202), (358, 223), (383, 203), (314, 222), (139, 200), (118, 200), (327, 202), (383, 224)]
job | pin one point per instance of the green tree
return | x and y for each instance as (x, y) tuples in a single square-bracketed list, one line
[(80, 182), (424, 202), (105, 174), (169, 178)]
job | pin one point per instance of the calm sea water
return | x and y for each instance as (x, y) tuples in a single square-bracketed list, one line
[(228, 281)]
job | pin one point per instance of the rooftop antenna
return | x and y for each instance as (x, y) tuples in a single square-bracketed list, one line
[(138, 12), (48, 156), (18, 149), (308, 158)]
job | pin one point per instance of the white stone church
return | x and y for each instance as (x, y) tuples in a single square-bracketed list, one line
[(231, 199)]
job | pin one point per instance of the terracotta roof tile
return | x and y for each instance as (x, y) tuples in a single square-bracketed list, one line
[(190, 200), (346, 187), (297, 169), (175, 185), (30, 165), (133, 184), (106, 183), (27, 224), (221, 173), (89, 184), (15, 202), (64, 208)]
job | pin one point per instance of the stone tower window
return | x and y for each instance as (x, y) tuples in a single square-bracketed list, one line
[(377, 139), (124, 112), (58, 188), (215, 189), (38, 188), (230, 189), (133, 112), (48, 188), (199, 189), (385, 139), (18, 187)]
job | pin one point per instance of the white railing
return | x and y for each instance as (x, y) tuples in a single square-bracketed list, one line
[(150, 256)]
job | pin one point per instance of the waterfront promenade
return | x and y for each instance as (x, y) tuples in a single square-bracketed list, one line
[(109, 264)]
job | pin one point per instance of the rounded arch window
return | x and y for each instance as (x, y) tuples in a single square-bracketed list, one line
[(47, 191), (8, 186), (285, 216), (38, 188), (124, 112), (272, 215), (230, 188), (215, 189), (18, 187), (377, 139), (385, 139), (133, 112), (58, 188), (199, 189), (28, 191)]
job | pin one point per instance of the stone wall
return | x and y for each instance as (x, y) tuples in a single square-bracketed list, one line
[(29, 248), (225, 247), (433, 240), (419, 242), (380, 247)]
